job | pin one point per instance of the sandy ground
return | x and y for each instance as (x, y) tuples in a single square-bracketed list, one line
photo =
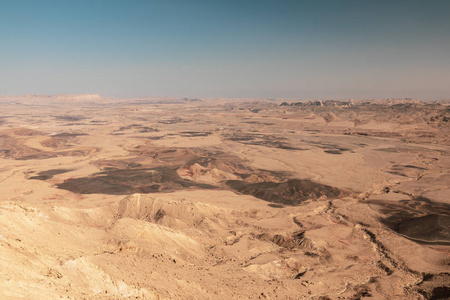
[(223, 199)]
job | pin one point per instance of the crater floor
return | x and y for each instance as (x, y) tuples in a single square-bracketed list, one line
[(158, 198)]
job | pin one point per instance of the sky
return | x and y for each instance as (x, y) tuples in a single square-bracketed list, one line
[(301, 49)]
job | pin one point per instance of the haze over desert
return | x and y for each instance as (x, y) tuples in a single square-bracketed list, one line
[(238, 149)]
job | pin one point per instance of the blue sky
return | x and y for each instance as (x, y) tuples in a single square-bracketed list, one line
[(331, 49)]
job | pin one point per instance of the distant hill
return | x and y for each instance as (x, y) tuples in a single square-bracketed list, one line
[(79, 97), (58, 97)]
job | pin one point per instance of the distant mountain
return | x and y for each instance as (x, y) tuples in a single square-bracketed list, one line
[(58, 97)]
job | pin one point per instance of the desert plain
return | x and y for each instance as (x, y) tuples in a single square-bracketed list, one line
[(164, 198)]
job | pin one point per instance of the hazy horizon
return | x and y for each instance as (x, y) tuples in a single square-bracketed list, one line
[(227, 49)]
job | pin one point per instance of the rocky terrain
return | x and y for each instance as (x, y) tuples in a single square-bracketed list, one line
[(153, 198)]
